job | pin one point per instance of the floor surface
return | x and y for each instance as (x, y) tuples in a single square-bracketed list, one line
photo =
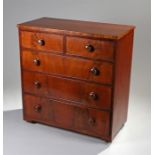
[(22, 138)]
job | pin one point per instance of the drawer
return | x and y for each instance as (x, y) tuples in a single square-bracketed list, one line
[(87, 94), (88, 121), (89, 48), (70, 67), (42, 41)]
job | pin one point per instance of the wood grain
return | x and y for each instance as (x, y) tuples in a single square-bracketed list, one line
[(67, 116), (66, 89), (52, 42), (76, 74), (77, 28), (103, 50), (121, 82), (69, 67)]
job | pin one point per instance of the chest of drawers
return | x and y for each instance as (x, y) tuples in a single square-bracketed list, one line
[(76, 74)]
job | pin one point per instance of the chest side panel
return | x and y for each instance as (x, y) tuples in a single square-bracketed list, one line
[(123, 59)]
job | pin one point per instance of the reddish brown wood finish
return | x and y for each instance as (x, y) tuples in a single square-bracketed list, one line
[(102, 50), (67, 89), (84, 120), (29, 83), (77, 28), (51, 42), (68, 85), (70, 67), (121, 82)]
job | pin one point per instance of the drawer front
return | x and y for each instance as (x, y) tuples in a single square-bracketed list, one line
[(96, 49), (88, 121), (42, 41), (89, 94), (70, 67)]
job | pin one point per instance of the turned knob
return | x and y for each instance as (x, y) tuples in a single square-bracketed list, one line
[(37, 108), (41, 42), (95, 71), (37, 84), (91, 121), (36, 62), (89, 48), (93, 95)]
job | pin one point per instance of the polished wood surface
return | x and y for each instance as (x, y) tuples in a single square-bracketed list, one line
[(76, 74), (101, 50), (78, 28), (70, 67), (29, 80), (84, 120), (42, 41), (72, 90), (121, 82)]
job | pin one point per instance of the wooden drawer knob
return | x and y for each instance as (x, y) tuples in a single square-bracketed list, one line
[(93, 95), (36, 62), (37, 84), (91, 121), (37, 108), (89, 48), (41, 42), (95, 71)]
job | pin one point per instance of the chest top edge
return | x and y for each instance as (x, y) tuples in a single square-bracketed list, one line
[(77, 28)]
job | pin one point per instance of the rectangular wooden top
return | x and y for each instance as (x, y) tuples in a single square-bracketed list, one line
[(76, 27)]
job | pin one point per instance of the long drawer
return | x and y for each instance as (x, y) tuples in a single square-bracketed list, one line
[(66, 66), (88, 94), (89, 121)]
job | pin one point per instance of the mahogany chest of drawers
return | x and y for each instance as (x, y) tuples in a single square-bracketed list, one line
[(76, 74)]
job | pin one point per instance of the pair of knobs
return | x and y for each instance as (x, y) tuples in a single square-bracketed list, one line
[(89, 47), (93, 70), (92, 95)]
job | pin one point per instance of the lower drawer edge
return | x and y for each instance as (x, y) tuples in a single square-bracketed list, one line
[(55, 113), (32, 120)]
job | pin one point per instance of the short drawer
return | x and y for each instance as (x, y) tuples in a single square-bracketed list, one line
[(42, 41), (87, 121), (78, 92), (70, 67), (96, 49)]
